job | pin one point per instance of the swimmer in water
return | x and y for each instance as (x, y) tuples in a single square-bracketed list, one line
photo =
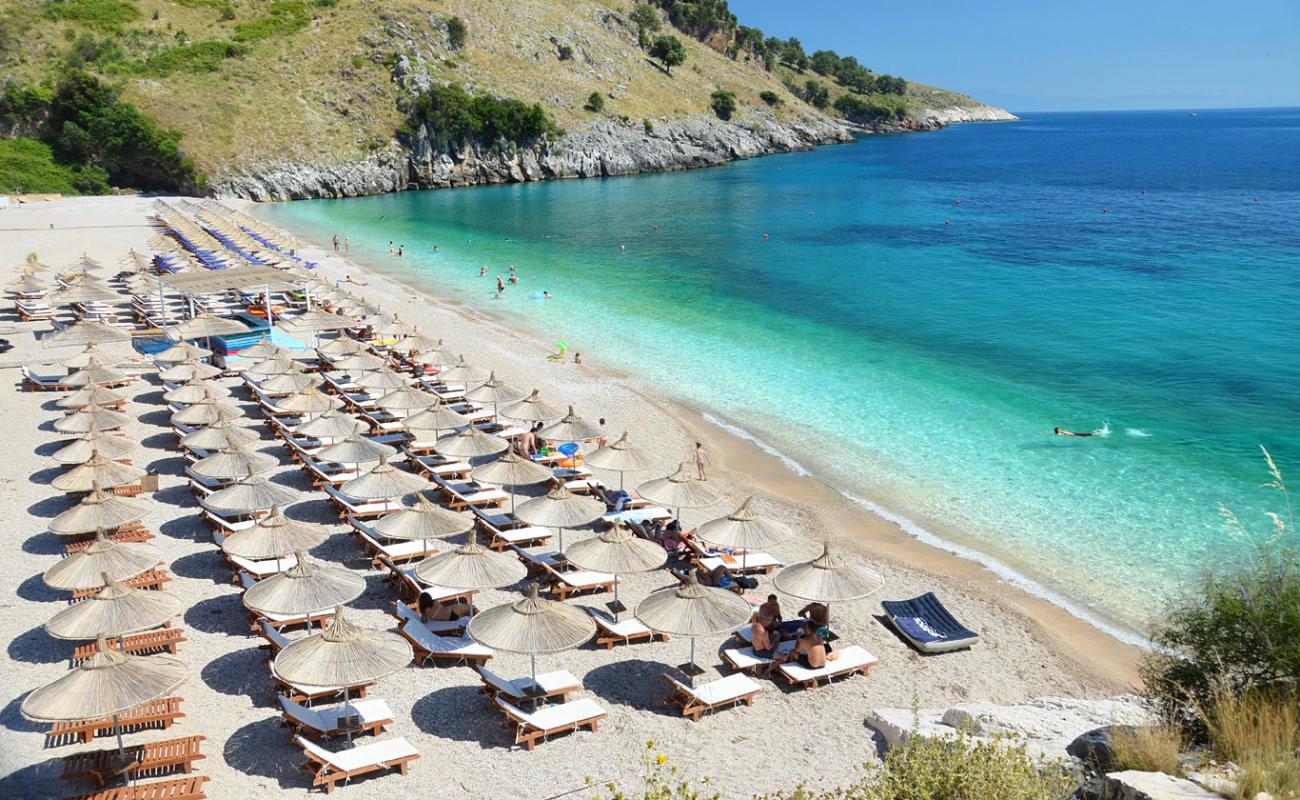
[(1063, 432), (514, 278), (546, 295), (482, 271), (947, 222), (1105, 211), (765, 236), (501, 285)]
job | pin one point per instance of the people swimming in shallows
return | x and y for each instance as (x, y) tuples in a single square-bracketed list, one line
[(1063, 432)]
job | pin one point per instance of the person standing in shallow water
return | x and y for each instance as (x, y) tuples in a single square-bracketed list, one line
[(347, 245), (701, 461), (336, 242)]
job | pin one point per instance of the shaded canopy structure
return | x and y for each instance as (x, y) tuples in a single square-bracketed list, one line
[(115, 610), (99, 509), (829, 578), (532, 626), (86, 569), (309, 586), (572, 428), (693, 610), (255, 493), (471, 566), (533, 409)]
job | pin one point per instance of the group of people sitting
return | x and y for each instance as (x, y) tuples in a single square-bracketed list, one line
[(809, 630)]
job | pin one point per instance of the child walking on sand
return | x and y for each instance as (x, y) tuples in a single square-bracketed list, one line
[(701, 461)]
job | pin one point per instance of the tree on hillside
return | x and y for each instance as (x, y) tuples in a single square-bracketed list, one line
[(816, 94), (456, 32), (724, 103), (670, 51), (792, 54), (825, 62), (647, 22), (595, 102)]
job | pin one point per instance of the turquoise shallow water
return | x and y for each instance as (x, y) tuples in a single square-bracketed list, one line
[(917, 364)]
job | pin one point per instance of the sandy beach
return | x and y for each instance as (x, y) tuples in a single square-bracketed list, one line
[(1029, 649)]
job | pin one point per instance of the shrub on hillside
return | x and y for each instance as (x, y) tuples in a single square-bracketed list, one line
[(453, 114), (723, 103), (874, 109), (595, 102), (770, 97), (670, 51), (28, 166), (198, 57), (102, 14), (283, 17), (456, 32)]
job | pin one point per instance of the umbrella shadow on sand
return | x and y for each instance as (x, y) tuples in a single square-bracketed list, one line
[(176, 496), (49, 507), (224, 614), (240, 673), (458, 712), (168, 465), (43, 544), (38, 647), (45, 476), (260, 749), (49, 448), (11, 717), (634, 683), (187, 528), (203, 565), (38, 780), (160, 441), (161, 418), (35, 590)]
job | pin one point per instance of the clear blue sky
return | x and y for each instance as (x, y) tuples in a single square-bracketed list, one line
[(1040, 55)]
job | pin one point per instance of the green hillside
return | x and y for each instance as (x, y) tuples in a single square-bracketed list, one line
[(236, 83)]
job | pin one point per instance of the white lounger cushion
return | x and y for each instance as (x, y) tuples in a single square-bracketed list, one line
[(380, 753), (749, 560), (558, 716), (850, 658), (638, 515), (558, 681), (744, 659), (267, 567), (723, 690), (325, 720), (624, 627), (400, 549), (273, 635), (407, 614), (461, 646)]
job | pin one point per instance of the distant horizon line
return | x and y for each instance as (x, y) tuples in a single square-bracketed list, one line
[(1187, 109)]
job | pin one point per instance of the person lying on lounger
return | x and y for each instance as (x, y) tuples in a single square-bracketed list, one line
[(431, 609)]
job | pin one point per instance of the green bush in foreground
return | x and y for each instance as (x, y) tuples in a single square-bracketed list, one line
[(28, 166)]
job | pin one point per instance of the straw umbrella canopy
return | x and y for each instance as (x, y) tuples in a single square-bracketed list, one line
[(233, 462), (382, 482), (360, 362), (189, 370), (533, 409), (181, 352), (342, 346), (533, 626), (86, 331), (395, 327), (471, 566), (207, 411), (97, 510), (693, 610), (270, 367), (89, 355), (420, 342), (380, 380), (744, 529), (618, 552), (343, 655), (92, 417), (356, 449), (621, 456), (829, 578), (196, 390), (264, 349), (27, 284), (309, 401), (85, 291), (115, 610), (679, 490), (572, 428), (274, 536), (85, 569), (105, 685), (432, 355), (97, 470), (512, 469), (219, 436), (315, 322), (109, 445), (406, 399), (205, 326), (93, 374), (288, 382), (560, 509), (308, 587), (423, 521), (464, 373), (494, 391), (94, 393), (256, 492), (437, 417), (470, 442), (330, 425)]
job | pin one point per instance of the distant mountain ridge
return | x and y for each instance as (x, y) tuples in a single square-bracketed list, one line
[(316, 98)]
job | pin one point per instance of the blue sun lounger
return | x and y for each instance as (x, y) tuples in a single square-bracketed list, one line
[(927, 625)]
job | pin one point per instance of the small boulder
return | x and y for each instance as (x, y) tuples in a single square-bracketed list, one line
[(1094, 747), (1134, 785)]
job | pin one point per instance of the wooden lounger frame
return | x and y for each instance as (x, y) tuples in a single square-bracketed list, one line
[(528, 736), (151, 758), (188, 788), (323, 774), (149, 579), (148, 642), (159, 712), (692, 707)]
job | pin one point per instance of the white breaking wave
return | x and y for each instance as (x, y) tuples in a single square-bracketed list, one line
[(1103, 431), (1137, 432)]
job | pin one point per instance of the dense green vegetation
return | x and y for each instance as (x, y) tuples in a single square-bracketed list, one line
[(93, 133), (669, 50), (723, 103), (456, 32), (455, 115), (102, 14), (198, 57), (28, 166), (873, 109), (595, 102)]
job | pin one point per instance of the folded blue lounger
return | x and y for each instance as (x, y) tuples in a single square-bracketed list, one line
[(925, 623)]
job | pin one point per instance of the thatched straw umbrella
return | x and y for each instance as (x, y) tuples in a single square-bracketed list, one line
[(512, 469), (85, 331), (471, 566), (219, 436), (308, 587), (99, 510), (381, 380), (679, 490), (274, 536), (263, 350), (309, 401), (693, 610), (618, 552), (621, 456), (470, 442), (180, 352), (95, 374), (533, 626), (331, 426), (560, 509), (205, 326), (533, 409), (270, 367), (343, 655), (829, 578), (384, 481), (423, 521), (108, 445), (196, 390), (206, 412), (114, 611), (94, 394), (188, 370), (744, 529), (342, 346), (234, 462), (97, 471), (92, 354), (105, 685), (256, 492), (406, 400), (288, 383), (436, 418), (92, 417), (356, 449), (360, 362), (494, 391), (572, 428), (85, 569), (463, 373)]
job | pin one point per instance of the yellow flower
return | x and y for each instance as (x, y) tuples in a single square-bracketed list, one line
[(661, 759)]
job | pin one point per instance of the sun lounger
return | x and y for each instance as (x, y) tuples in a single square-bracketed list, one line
[(746, 660), (397, 551), (329, 767), (227, 525), (544, 723), (467, 494), (275, 640), (411, 589), (442, 627), (537, 562), (850, 660), (436, 466), (563, 584), (429, 646), (99, 766), (695, 701), (135, 534), (637, 515), (300, 692), (149, 579), (46, 378), (148, 642), (372, 716), (263, 568), (927, 625), (624, 631), (159, 712), (325, 473), (361, 509), (187, 788), (282, 621), (754, 562), (559, 684)]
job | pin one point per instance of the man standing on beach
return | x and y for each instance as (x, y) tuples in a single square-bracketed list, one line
[(701, 461)]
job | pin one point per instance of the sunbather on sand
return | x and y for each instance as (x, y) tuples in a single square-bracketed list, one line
[(809, 650), (431, 609)]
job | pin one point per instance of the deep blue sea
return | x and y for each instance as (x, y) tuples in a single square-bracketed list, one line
[(906, 317)]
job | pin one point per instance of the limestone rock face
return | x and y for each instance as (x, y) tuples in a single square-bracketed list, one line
[(1134, 785)]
